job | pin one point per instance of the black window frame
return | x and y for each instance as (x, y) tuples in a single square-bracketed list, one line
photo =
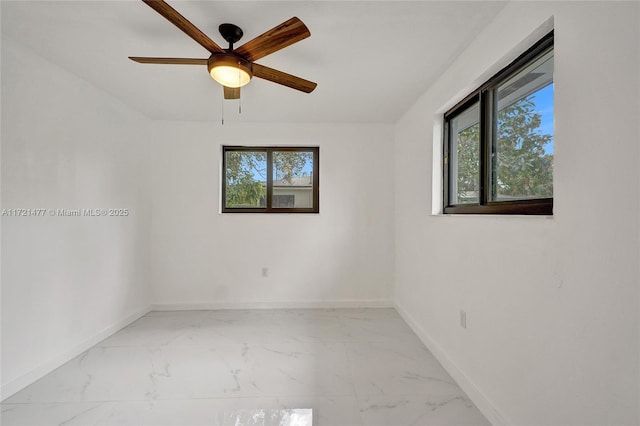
[(484, 96), (269, 150)]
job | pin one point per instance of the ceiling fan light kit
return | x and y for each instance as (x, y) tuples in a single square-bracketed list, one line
[(230, 70), (234, 68)]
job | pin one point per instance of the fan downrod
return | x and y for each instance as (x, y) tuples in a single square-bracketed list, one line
[(231, 33)]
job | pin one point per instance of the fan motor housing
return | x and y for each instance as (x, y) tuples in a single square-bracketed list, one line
[(230, 32)]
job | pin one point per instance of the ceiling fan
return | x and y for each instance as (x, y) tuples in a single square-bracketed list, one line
[(233, 68)]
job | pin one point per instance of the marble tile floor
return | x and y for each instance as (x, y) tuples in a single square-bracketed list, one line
[(349, 366)]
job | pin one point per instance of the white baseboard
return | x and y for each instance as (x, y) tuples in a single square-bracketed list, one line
[(486, 407), (311, 304), (45, 368)]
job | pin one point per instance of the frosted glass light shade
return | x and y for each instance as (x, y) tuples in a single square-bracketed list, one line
[(230, 70)]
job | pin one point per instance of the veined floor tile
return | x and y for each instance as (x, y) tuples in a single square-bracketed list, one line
[(201, 371), (352, 367), (193, 412), (380, 368), (100, 374), (156, 329), (189, 316), (46, 414), (383, 327), (453, 410), (243, 370), (334, 411), (209, 412), (302, 369), (260, 331)]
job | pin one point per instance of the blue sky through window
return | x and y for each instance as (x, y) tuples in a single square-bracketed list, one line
[(543, 100)]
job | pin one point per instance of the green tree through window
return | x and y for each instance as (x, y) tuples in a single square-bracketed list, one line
[(522, 167), (249, 187), (245, 178), (498, 151)]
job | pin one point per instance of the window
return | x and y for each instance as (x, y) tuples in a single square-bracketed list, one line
[(270, 179), (498, 147)]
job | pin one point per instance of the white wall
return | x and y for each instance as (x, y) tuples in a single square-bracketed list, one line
[(552, 303), (67, 282), (340, 257)]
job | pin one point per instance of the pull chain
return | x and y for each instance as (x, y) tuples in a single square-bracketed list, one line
[(239, 97), (223, 107)]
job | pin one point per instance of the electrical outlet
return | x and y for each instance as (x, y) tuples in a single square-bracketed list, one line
[(265, 271), (463, 319)]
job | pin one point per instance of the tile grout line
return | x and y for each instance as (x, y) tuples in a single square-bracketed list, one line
[(351, 373)]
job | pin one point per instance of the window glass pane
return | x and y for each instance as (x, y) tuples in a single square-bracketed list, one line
[(246, 176), (522, 162), (464, 178), (292, 179)]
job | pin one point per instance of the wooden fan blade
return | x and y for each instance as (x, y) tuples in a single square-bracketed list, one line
[(277, 38), (283, 78), (231, 92), (181, 22), (170, 61)]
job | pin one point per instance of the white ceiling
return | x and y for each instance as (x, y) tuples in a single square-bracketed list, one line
[(371, 60)]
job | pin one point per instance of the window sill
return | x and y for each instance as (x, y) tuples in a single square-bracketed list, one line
[(501, 216)]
